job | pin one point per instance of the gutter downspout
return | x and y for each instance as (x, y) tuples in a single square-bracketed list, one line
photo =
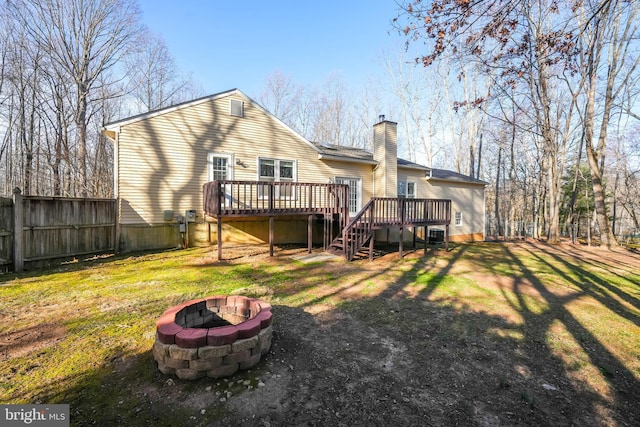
[(373, 178)]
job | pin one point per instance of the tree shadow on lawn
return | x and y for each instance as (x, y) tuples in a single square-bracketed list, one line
[(406, 355), (615, 400), (369, 362), (594, 286)]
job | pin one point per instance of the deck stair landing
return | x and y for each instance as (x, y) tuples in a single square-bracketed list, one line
[(384, 213)]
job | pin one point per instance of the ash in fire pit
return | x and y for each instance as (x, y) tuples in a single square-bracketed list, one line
[(212, 337)]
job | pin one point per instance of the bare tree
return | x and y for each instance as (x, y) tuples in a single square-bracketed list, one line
[(609, 29), (419, 98), (85, 40), (281, 96), (155, 80)]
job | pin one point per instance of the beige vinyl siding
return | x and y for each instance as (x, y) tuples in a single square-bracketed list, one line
[(385, 151), (163, 159), (417, 176), (465, 198), (352, 170)]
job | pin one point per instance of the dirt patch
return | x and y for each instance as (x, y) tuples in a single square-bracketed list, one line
[(29, 340)]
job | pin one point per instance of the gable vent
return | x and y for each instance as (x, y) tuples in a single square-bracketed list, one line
[(236, 108)]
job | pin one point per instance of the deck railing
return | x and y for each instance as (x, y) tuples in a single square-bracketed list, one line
[(236, 198), (249, 198), (388, 211), (385, 212)]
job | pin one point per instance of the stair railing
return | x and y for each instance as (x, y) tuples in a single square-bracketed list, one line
[(358, 231)]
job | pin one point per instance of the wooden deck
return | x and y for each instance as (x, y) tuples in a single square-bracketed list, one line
[(255, 198), (385, 213), (228, 199)]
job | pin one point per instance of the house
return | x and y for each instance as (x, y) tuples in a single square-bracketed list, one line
[(164, 158)]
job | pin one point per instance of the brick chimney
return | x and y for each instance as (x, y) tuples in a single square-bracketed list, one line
[(385, 152)]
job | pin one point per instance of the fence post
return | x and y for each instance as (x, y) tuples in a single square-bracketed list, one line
[(18, 235)]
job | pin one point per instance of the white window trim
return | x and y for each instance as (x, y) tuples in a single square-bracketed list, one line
[(455, 219), (276, 170), (406, 186), (358, 190), (230, 163)]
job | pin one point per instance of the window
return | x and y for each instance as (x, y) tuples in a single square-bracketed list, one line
[(220, 167), (407, 189), (458, 219), (355, 192), (236, 108), (276, 170)]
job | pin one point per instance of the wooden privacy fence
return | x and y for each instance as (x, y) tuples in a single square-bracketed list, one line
[(35, 228)]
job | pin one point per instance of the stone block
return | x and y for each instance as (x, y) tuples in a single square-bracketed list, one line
[(208, 352), (192, 338), (223, 371), (265, 346), (176, 363), (222, 335), (205, 364), (160, 350), (165, 319), (216, 301), (265, 306), (254, 306), (233, 318), (235, 358), (265, 333), (176, 352), (238, 301), (250, 362), (167, 332), (244, 344), (166, 369), (190, 374), (231, 309), (265, 318), (249, 328)]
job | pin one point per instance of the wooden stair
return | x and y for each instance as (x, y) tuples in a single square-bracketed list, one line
[(356, 238), (355, 235)]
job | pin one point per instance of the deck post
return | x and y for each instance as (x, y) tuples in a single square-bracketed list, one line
[(401, 241), (415, 229), (271, 221), (325, 232), (446, 238), (310, 233), (371, 246), (426, 238), (219, 232)]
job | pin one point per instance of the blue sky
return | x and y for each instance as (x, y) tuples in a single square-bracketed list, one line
[(237, 44)]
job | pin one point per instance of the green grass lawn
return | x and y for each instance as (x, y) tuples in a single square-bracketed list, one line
[(81, 334)]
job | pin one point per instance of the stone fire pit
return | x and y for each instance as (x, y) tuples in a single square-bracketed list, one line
[(212, 337)]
